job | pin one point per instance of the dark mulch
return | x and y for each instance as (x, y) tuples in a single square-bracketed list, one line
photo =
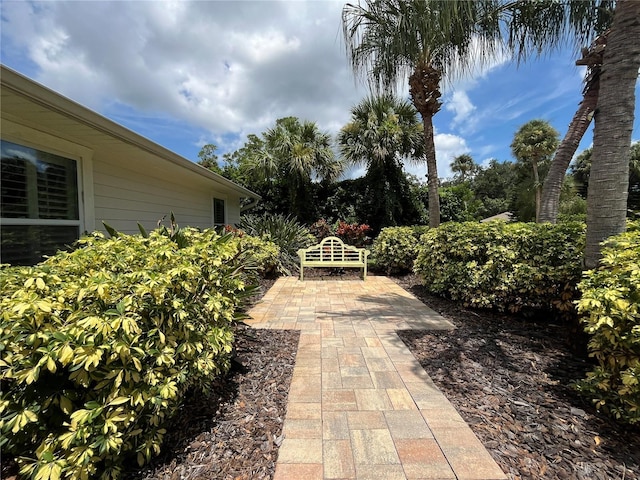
[(234, 433), (510, 378)]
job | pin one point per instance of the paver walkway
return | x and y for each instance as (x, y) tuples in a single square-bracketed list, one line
[(360, 405)]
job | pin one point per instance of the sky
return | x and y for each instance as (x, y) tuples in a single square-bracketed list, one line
[(188, 73)]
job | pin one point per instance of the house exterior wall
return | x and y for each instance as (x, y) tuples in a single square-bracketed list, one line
[(146, 191), (123, 190), (54, 149)]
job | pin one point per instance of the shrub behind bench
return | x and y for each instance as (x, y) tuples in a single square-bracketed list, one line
[(504, 266)]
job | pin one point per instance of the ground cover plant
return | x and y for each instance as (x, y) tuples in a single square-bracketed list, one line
[(101, 344)]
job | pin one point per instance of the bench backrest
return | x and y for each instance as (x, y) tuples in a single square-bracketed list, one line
[(332, 249)]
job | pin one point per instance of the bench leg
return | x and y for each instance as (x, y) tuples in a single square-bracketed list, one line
[(364, 272), (301, 273)]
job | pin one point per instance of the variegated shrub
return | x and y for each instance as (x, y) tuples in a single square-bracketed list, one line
[(100, 345)]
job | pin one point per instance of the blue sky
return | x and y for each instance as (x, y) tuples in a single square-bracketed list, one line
[(188, 73)]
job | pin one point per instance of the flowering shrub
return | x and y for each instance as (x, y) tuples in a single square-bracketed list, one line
[(353, 234)]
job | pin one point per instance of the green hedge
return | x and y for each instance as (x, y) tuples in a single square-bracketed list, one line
[(504, 266), (101, 344), (395, 249), (610, 304)]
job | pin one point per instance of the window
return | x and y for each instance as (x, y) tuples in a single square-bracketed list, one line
[(219, 217), (39, 207)]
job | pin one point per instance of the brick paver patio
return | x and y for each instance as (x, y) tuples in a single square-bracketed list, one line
[(360, 405)]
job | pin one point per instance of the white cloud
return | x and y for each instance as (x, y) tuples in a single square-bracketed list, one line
[(230, 68), (448, 146), (461, 106), (221, 66)]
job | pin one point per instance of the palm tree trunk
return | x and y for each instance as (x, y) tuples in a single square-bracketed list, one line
[(609, 178), (537, 186), (424, 88), (577, 128), (432, 172)]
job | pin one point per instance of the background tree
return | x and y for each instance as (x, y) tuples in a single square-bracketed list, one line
[(552, 188), (581, 171), (388, 40), (209, 159), (382, 132), (463, 167), (458, 203), (533, 144), (287, 161), (492, 186)]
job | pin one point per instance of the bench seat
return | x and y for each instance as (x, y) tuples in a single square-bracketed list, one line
[(333, 253)]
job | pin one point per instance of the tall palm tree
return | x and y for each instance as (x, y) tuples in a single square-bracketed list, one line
[(533, 143), (552, 188), (297, 153), (382, 132), (609, 179), (390, 40), (537, 26)]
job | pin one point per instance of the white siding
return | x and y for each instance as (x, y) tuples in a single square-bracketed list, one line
[(147, 189), (124, 178)]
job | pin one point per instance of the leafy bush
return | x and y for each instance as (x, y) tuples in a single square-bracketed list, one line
[(285, 232), (262, 254), (99, 346), (396, 248), (610, 304), (321, 230), (504, 266), (353, 234)]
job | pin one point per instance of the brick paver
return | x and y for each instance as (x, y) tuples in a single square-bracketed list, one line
[(360, 405)]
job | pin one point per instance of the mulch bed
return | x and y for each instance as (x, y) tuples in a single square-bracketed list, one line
[(234, 433), (510, 378)]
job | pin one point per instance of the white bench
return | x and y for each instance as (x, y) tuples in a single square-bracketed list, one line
[(332, 252)]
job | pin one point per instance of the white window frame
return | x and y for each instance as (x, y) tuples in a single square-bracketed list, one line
[(80, 181)]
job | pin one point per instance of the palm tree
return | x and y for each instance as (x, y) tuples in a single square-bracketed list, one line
[(382, 132), (533, 143), (297, 153), (388, 40), (552, 188), (609, 180), (464, 166), (536, 26)]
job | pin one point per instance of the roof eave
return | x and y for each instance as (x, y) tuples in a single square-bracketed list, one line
[(50, 99)]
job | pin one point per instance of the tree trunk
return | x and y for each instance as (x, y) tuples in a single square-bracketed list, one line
[(537, 186), (424, 88), (614, 117), (432, 172), (577, 128)]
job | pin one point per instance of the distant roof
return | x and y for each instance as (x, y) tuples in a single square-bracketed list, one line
[(501, 217)]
